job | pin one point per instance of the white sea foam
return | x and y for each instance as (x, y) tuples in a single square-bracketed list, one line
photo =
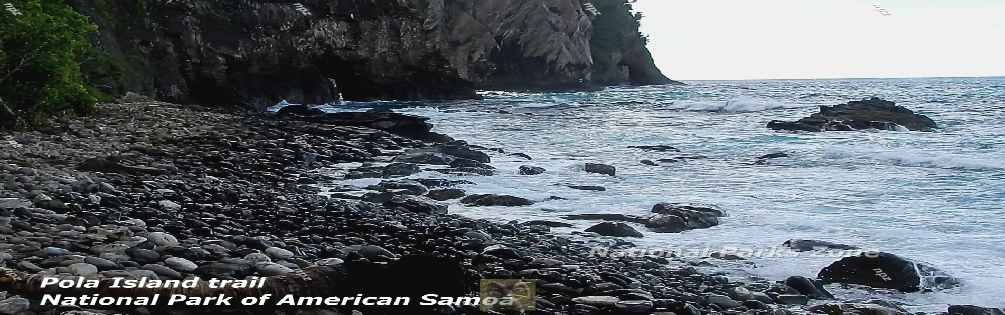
[(915, 158), (733, 105)]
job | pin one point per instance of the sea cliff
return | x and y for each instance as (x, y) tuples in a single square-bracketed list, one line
[(256, 53)]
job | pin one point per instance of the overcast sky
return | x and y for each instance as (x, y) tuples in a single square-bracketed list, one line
[(755, 39)]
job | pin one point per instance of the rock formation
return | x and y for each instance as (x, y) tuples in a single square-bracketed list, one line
[(255, 53), (872, 113)]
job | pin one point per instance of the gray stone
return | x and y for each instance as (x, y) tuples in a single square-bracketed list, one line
[(83, 269), (258, 258), (14, 203), (101, 263), (163, 271), (180, 264), (279, 253), (14, 305), (793, 299), (600, 169), (329, 262), (169, 205), (162, 239), (271, 269), (722, 301), (597, 300)]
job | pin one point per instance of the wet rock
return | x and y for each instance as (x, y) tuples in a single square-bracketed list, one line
[(873, 113), (14, 305), (676, 218), (445, 194), (271, 269), (257, 258), (433, 158), (163, 272), (974, 310), (722, 301), (551, 224), (600, 169), (597, 301), (811, 245), (400, 170), (467, 163), (488, 200), (656, 148), (224, 270), (589, 188), (417, 204), (793, 299), (531, 170), (101, 263), (775, 155), (278, 253), (617, 217), (14, 203), (885, 270), (858, 308), (521, 155), (410, 187), (465, 152), (649, 162), (616, 229), (83, 269), (168, 205), (811, 288)]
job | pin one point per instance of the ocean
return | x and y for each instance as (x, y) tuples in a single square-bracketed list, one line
[(936, 197)]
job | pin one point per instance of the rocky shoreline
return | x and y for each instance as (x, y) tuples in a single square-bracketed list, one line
[(162, 191)]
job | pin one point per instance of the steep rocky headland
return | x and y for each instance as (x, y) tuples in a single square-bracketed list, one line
[(256, 53)]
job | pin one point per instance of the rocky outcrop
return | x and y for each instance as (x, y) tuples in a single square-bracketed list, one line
[(889, 271), (619, 50), (873, 113), (256, 53)]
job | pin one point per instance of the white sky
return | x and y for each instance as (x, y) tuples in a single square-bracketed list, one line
[(771, 39)]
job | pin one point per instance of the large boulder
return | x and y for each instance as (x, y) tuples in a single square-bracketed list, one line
[(600, 169), (974, 310), (811, 245), (616, 229), (488, 200), (889, 271), (676, 218), (873, 113)]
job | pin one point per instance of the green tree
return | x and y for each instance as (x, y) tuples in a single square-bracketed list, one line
[(42, 43)]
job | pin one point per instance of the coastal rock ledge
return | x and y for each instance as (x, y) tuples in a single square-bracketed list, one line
[(872, 113)]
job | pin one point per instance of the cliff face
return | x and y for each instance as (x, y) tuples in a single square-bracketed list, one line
[(255, 52)]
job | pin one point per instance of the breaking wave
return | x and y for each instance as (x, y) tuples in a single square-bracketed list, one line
[(733, 105), (916, 158)]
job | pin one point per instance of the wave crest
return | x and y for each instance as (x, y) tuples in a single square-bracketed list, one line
[(916, 158), (733, 105)]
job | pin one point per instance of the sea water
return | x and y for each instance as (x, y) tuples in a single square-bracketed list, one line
[(936, 197)]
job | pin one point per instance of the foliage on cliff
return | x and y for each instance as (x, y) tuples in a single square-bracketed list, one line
[(619, 49), (42, 44)]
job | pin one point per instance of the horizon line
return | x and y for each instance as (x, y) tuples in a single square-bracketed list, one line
[(851, 78)]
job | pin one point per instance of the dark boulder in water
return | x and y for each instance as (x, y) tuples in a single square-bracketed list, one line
[(974, 310), (487, 200), (676, 218), (531, 170), (810, 245), (600, 169), (445, 194), (657, 148), (616, 229), (888, 271), (808, 287), (873, 113)]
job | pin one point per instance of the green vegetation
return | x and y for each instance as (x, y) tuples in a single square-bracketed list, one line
[(615, 25), (42, 45)]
